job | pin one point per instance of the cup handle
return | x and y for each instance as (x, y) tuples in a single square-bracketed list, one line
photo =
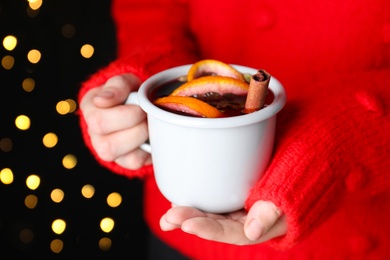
[(133, 99)]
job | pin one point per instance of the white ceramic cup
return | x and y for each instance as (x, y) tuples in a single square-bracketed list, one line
[(208, 163)]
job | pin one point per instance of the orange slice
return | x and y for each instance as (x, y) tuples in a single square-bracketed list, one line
[(212, 67), (188, 105), (218, 84)]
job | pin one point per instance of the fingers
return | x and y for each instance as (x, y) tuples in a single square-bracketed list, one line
[(109, 120), (261, 218), (113, 145), (116, 90), (134, 160), (262, 223), (175, 217)]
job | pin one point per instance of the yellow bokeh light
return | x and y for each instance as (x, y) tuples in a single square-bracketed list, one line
[(69, 161), (35, 4), (7, 62), (33, 181), (107, 224), (57, 195), (114, 199), (6, 144), (72, 105), (88, 191), (56, 246), (105, 244), (10, 42), (22, 122), (34, 56), (31, 201), (58, 226), (50, 140), (62, 107), (6, 176), (28, 84), (87, 51)]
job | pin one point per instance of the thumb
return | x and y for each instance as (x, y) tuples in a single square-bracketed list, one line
[(116, 90), (262, 216)]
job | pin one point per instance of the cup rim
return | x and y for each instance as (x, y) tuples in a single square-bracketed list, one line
[(164, 76)]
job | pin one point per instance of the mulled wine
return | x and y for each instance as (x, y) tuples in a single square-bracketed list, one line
[(228, 104)]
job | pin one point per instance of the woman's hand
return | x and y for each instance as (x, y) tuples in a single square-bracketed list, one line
[(263, 222), (116, 130)]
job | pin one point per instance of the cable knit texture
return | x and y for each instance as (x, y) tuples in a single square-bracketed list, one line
[(330, 169)]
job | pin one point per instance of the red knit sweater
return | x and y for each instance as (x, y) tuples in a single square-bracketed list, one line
[(330, 173)]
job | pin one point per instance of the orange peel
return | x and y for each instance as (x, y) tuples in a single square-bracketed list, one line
[(213, 67), (218, 84), (189, 106)]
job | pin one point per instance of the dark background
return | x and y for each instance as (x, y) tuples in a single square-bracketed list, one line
[(58, 76)]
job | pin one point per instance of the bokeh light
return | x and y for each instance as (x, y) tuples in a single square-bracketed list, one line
[(34, 56), (58, 226), (6, 176), (31, 201), (114, 199), (50, 140), (57, 195), (22, 122), (35, 4), (87, 51), (88, 191), (10, 42), (33, 181), (28, 84), (69, 161), (107, 224), (7, 62), (105, 243), (56, 246)]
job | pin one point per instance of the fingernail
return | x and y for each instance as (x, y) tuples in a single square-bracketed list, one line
[(106, 94), (254, 230)]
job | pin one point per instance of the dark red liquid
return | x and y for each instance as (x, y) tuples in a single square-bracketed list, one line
[(229, 104)]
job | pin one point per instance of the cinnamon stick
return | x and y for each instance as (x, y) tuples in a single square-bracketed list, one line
[(257, 92)]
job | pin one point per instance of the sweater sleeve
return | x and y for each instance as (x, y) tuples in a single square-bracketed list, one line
[(151, 38), (332, 146)]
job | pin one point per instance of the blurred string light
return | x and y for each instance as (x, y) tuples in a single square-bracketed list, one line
[(57, 195), (105, 243), (31, 201), (58, 226), (33, 181), (34, 4), (87, 51), (66, 106), (114, 199), (49, 140), (7, 62), (107, 224), (56, 246), (69, 161), (9, 42), (22, 122), (34, 56), (88, 191), (28, 84), (6, 176)]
